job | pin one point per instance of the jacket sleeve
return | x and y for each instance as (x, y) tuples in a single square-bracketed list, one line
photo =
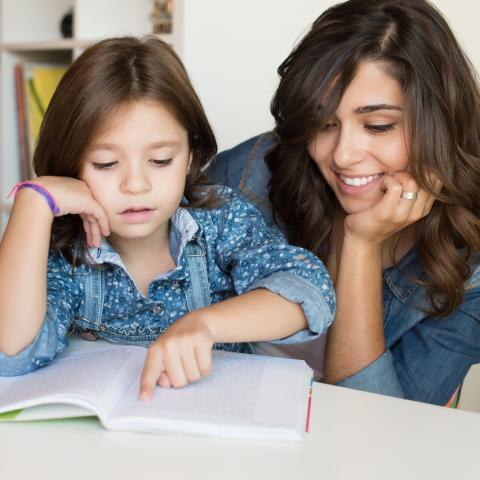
[(62, 298), (429, 361), (259, 257)]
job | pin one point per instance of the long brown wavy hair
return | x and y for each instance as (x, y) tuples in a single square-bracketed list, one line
[(111, 73), (442, 102)]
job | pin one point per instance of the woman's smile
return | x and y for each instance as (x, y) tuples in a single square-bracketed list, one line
[(357, 185)]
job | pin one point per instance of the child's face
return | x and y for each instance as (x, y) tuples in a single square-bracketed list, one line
[(136, 169)]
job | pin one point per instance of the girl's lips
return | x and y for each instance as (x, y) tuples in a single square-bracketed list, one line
[(357, 189), (140, 215)]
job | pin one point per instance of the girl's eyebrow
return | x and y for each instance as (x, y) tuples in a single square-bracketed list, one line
[(164, 143), (159, 144), (374, 108)]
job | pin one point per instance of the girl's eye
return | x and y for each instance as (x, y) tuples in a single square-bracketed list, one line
[(161, 163), (380, 128), (103, 166)]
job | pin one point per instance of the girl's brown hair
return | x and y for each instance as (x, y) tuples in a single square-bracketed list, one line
[(108, 74), (412, 40)]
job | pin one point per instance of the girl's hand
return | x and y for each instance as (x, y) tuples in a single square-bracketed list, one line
[(181, 355), (74, 197), (392, 213)]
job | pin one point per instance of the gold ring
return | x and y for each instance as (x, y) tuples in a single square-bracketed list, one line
[(409, 195)]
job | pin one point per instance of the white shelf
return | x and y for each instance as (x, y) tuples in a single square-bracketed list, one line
[(30, 32), (65, 44)]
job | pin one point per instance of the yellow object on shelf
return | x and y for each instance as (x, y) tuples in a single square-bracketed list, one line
[(40, 83)]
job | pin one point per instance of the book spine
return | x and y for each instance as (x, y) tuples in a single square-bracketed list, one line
[(309, 406), (24, 157)]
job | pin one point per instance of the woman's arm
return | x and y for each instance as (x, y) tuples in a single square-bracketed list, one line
[(356, 338), (426, 358)]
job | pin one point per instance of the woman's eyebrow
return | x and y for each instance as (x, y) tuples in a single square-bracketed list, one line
[(374, 108)]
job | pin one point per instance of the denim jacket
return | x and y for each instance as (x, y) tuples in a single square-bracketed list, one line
[(426, 358), (219, 253)]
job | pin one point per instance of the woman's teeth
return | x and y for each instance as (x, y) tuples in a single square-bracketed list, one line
[(358, 181)]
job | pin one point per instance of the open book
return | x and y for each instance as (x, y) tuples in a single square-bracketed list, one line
[(246, 396)]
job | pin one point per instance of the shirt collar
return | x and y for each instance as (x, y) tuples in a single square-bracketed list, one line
[(183, 228), (400, 278)]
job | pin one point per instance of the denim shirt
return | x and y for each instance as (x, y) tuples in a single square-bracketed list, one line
[(218, 252), (426, 358)]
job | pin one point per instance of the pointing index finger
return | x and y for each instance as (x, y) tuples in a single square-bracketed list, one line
[(152, 369)]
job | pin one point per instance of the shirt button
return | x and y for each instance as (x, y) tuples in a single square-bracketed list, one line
[(175, 284), (157, 309)]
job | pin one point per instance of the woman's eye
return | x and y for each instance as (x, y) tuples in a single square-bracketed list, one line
[(103, 166), (328, 126), (380, 128), (161, 163)]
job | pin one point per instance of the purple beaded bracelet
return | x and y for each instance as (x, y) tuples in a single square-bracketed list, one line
[(42, 191)]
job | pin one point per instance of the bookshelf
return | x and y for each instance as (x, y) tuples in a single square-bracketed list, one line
[(30, 32)]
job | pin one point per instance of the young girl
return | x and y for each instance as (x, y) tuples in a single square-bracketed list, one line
[(121, 154), (375, 166)]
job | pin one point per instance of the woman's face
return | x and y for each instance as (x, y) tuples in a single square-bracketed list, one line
[(364, 140)]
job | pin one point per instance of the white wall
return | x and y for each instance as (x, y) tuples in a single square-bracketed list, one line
[(232, 55)]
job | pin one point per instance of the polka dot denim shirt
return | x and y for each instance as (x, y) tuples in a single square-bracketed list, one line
[(238, 253)]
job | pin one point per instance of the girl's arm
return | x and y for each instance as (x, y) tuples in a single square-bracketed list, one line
[(23, 266), (24, 255), (282, 289), (183, 353), (259, 315)]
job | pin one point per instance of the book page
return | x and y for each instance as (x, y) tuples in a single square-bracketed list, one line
[(243, 391), (96, 378)]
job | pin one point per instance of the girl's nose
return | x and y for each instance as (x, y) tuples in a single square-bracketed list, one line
[(135, 181)]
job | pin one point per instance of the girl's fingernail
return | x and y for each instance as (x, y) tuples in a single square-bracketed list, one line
[(144, 395)]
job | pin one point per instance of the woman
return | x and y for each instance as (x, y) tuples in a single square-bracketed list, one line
[(374, 165)]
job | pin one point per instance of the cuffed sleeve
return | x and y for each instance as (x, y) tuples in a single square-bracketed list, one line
[(257, 256), (378, 377), (429, 361), (46, 345), (52, 336), (310, 297)]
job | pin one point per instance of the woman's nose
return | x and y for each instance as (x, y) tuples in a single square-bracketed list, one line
[(349, 148)]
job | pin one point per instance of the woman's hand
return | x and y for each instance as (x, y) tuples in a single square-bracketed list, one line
[(181, 355), (74, 197), (393, 212)]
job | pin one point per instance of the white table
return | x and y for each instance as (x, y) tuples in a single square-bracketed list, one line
[(353, 435)]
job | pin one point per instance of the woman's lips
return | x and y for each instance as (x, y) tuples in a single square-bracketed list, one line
[(137, 215), (358, 189)]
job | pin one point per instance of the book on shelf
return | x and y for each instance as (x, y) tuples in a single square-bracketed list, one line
[(245, 396), (34, 87), (23, 153)]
